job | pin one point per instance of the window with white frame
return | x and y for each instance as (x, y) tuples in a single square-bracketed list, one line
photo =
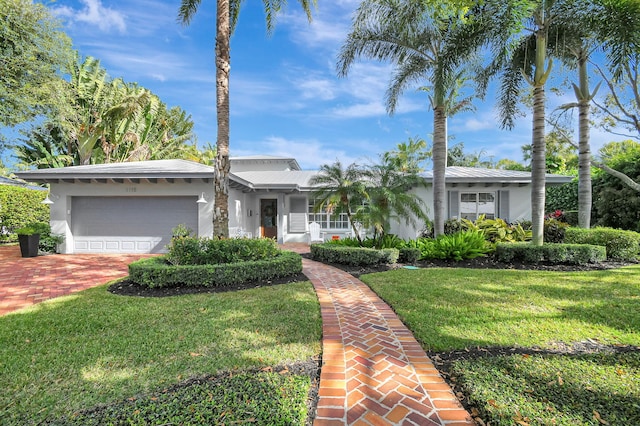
[(326, 220), (474, 204)]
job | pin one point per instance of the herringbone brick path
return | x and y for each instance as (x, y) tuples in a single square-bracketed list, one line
[(374, 372)]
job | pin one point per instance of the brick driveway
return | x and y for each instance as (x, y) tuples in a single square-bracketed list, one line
[(27, 281)]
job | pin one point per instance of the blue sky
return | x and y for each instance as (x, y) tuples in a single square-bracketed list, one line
[(286, 98)]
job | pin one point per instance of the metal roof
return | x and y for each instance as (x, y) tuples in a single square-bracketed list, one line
[(457, 174), (152, 169), (292, 162), (292, 179)]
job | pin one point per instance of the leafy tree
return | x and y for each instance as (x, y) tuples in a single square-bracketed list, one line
[(560, 156), (411, 36), (616, 204), (111, 121), (33, 53), (227, 12)]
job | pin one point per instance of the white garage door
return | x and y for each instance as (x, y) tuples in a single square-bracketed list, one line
[(129, 224)]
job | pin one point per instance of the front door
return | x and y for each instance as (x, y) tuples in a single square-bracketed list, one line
[(269, 218)]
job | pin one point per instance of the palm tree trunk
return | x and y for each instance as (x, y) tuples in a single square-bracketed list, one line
[(222, 165), (584, 152), (538, 169), (439, 154)]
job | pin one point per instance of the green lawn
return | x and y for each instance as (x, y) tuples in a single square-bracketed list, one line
[(451, 309), (93, 347)]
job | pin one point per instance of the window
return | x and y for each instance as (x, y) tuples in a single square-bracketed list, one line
[(326, 220), (474, 204)]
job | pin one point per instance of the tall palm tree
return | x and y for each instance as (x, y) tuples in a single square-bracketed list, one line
[(517, 34), (227, 12), (340, 190), (410, 35)]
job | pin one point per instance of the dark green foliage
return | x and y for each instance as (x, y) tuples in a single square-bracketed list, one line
[(346, 242), (19, 207), (357, 256), (463, 245), (453, 226), (409, 254), (579, 254), (264, 398), (207, 251), (48, 242), (158, 272), (616, 205), (621, 245), (554, 231), (562, 197)]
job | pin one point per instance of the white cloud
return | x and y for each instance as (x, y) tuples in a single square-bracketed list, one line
[(94, 13)]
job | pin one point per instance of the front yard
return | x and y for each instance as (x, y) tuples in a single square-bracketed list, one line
[(521, 347), (542, 321)]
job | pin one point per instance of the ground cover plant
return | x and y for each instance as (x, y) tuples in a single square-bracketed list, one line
[(92, 348), (528, 347)]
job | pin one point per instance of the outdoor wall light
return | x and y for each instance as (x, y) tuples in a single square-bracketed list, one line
[(201, 200), (48, 201)]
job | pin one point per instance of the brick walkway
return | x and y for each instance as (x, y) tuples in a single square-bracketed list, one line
[(374, 372), (27, 281)]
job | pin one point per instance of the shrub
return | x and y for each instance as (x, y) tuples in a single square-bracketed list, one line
[(621, 245), (158, 272), (207, 251), (356, 256), (580, 254), (19, 207), (423, 245), (453, 226), (409, 254), (463, 245), (497, 230), (346, 242), (554, 231)]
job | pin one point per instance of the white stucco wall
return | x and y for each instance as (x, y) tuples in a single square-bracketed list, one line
[(62, 194), (519, 204)]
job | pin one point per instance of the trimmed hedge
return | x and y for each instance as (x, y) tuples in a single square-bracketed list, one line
[(409, 254), (19, 207), (621, 245), (210, 251), (355, 256), (577, 254), (156, 272)]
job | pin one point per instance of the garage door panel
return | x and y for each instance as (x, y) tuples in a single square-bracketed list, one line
[(129, 224)]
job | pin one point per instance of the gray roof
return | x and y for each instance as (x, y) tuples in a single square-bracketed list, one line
[(456, 174), (153, 169), (292, 179), (292, 162), (15, 182)]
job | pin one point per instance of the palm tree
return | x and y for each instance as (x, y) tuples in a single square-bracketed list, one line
[(408, 34), (227, 12), (390, 198), (517, 33), (339, 190), (408, 157)]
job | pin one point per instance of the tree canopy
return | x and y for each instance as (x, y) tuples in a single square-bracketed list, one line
[(33, 54)]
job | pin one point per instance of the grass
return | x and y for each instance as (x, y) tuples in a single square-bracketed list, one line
[(75, 352), (449, 309)]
